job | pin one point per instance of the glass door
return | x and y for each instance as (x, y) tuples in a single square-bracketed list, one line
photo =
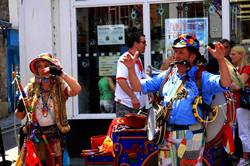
[(101, 38), (102, 32), (240, 22)]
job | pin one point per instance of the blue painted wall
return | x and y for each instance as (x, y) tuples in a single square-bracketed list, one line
[(12, 64)]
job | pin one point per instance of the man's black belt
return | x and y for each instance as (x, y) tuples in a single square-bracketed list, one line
[(174, 127), (178, 127)]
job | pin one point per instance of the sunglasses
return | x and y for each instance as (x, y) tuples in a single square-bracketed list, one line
[(143, 42)]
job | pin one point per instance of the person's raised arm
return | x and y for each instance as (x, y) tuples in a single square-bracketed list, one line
[(75, 87), (57, 69), (129, 61), (218, 53)]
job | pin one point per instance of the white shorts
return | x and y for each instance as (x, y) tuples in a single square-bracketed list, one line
[(107, 106)]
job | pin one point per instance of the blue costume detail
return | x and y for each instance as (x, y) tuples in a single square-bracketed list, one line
[(182, 109)]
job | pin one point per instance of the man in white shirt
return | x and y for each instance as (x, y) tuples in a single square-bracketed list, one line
[(128, 101)]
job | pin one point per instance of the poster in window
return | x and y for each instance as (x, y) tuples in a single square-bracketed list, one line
[(107, 65), (193, 26), (110, 34)]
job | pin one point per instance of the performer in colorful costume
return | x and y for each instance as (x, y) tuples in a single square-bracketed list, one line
[(45, 108), (180, 87)]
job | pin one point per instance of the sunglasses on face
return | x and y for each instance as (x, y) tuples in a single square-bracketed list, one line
[(143, 42)]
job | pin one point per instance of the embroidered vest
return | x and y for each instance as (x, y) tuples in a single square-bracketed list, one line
[(59, 102)]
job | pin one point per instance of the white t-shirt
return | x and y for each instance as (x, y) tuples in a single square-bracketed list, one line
[(122, 73)]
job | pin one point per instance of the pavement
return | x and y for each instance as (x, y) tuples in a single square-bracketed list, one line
[(9, 126), (9, 122)]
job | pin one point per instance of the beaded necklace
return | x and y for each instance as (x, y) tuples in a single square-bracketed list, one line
[(45, 108), (39, 79)]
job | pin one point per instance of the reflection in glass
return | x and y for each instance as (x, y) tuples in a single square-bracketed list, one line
[(170, 20), (240, 23), (101, 38)]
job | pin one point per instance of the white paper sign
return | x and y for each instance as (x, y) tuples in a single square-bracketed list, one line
[(107, 65), (110, 34)]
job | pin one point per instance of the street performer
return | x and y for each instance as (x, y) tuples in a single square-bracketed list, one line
[(180, 85), (45, 103)]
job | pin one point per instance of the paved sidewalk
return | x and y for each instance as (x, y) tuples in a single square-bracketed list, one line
[(9, 122)]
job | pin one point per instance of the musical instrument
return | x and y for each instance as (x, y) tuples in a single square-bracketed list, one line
[(210, 116), (156, 123), (151, 71), (22, 93), (131, 147), (215, 129), (158, 116), (135, 121)]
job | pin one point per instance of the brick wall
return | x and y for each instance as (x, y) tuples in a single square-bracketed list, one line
[(4, 15), (4, 10)]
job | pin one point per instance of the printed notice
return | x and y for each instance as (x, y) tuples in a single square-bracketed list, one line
[(110, 34), (107, 65)]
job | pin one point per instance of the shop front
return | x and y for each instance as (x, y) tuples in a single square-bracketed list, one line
[(102, 31), (99, 36), (90, 35)]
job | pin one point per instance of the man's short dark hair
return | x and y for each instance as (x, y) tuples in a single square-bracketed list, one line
[(222, 41), (134, 37)]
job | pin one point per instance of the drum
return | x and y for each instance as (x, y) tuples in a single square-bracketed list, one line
[(131, 147), (226, 114)]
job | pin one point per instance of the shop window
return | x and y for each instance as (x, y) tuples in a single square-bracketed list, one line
[(240, 22), (168, 20), (101, 38), (102, 34)]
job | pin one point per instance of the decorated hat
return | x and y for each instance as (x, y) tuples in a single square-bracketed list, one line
[(186, 40), (42, 57)]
